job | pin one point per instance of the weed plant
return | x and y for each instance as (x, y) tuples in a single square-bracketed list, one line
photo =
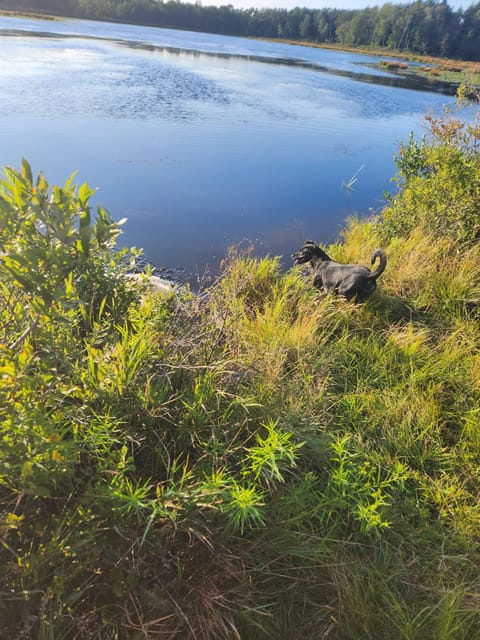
[(259, 462)]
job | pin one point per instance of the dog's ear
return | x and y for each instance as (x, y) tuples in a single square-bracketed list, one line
[(308, 244)]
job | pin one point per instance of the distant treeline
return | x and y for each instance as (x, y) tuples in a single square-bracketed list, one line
[(428, 27)]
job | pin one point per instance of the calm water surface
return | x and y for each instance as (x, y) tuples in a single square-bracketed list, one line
[(204, 141)]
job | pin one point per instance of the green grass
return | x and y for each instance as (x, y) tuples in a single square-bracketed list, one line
[(261, 462)]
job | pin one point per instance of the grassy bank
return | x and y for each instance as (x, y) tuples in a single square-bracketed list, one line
[(262, 461), (429, 67), (27, 14)]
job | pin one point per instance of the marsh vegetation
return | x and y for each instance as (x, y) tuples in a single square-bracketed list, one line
[(261, 461)]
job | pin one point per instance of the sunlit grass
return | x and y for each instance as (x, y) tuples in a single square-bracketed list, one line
[(261, 461)]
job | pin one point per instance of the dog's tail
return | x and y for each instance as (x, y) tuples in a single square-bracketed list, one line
[(379, 253)]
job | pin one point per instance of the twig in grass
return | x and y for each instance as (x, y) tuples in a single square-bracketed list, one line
[(21, 338)]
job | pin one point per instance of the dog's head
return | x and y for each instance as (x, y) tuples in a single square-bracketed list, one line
[(309, 251)]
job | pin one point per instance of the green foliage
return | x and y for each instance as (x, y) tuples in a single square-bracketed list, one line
[(55, 253), (357, 488), (271, 454), (439, 183), (261, 462)]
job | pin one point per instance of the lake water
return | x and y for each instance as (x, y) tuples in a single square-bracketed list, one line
[(205, 141)]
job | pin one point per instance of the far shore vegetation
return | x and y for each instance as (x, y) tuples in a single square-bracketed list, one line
[(426, 37), (259, 462), (27, 14), (430, 67)]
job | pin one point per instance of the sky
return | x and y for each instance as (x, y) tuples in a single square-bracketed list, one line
[(320, 4)]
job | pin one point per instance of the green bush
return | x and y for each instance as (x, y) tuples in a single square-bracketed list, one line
[(439, 183)]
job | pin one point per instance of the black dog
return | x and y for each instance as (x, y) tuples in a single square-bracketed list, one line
[(348, 280)]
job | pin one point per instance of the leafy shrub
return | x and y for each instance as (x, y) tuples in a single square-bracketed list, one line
[(439, 183), (54, 252)]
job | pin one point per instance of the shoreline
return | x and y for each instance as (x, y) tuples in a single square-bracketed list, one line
[(29, 14), (447, 70)]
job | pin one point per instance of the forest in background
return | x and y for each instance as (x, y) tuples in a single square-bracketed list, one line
[(425, 27)]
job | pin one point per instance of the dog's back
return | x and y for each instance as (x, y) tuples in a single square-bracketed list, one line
[(352, 281)]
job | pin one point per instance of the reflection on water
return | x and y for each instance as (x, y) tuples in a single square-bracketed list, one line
[(375, 76), (205, 141)]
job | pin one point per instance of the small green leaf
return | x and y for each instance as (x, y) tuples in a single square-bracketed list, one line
[(85, 193), (27, 171)]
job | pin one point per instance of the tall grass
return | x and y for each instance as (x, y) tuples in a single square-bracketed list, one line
[(260, 462)]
